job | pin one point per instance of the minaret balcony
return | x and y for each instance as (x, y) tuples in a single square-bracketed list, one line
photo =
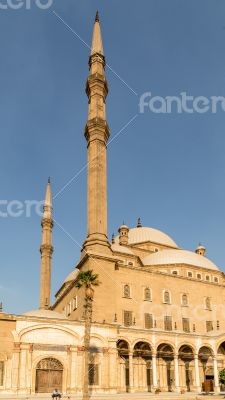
[(97, 129)]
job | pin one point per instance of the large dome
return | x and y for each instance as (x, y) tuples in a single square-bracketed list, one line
[(144, 234), (169, 257)]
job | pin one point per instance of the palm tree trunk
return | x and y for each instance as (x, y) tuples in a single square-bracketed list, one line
[(87, 337)]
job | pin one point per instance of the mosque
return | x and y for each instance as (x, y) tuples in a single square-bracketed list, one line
[(158, 315)]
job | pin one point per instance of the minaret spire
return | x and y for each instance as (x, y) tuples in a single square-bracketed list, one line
[(46, 250), (97, 46), (97, 134)]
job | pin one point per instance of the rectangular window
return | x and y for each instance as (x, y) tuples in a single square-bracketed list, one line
[(1, 373), (186, 324), (209, 326), (127, 318), (148, 321), (190, 275), (168, 323), (93, 374), (74, 303)]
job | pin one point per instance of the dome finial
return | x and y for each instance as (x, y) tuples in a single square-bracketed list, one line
[(49, 179), (139, 224), (97, 16)]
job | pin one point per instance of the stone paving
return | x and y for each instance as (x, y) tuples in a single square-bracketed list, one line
[(123, 396)]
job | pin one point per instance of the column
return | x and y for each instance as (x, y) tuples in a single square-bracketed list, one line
[(197, 379), (176, 371), (216, 377), (15, 366), (23, 370), (131, 372), (113, 367), (154, 371), (73, 370)]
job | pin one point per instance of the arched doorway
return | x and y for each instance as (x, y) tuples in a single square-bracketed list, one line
[(206, 368), (49, 374), (142, 364), (165, 361), (123, 361), (221, 362), (186, 367)]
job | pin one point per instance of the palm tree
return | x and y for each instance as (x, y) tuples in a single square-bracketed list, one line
[(87, 280)]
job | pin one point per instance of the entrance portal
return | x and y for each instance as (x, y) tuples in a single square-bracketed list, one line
[(49, 373)]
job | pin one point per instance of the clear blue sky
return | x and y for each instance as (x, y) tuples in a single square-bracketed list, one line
[(168, 169)]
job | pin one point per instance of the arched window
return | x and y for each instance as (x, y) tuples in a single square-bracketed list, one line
[(166, 297), (147, 294), (184, 299), (208, 303), (126, 291)]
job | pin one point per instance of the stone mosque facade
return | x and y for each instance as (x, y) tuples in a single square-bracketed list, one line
[(158, 315)]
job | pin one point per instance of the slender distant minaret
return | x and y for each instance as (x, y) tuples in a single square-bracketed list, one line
[(46, 250), (97, 134)]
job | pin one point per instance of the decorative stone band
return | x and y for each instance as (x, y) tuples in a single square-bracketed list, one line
[(47, 222), (97, 57), (43, 347)]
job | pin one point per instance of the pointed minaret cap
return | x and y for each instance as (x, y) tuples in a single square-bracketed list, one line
[(97, 46), (48, 201), (139, 224), (113, 238)]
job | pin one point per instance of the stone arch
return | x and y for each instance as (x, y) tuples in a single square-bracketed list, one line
[(98, 338), (172, 345), (49, 326), (205, 348), (123, 347), (142, 349), (219, 344), (142, 340), (126, 340), (184, 343), (185, 349)]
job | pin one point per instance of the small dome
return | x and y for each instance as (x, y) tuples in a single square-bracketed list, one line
[(42, 313), (123, 226), (144, 234), (121, 249), (72, 276), (169, 257)]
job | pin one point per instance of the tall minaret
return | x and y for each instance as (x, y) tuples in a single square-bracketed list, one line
[(46, 250), (97, 134)]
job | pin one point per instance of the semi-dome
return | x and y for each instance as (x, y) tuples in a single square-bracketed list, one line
[(72, 276), (121, 249), (42, 313), (169, 257), (144, 234)]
